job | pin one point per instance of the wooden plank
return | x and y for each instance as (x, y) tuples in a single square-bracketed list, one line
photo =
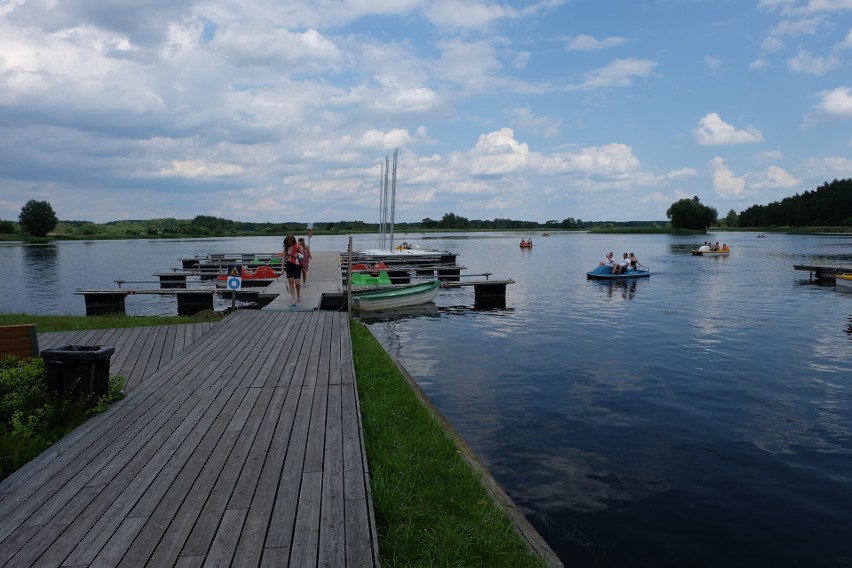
[(258, 518), (332, 536), (280, 533), (303, 550)]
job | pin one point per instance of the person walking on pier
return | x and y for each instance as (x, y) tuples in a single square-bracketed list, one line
[(306, 251), (293, 268)]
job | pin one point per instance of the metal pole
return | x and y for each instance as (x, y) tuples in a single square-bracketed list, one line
[(381, 203), (393, 199), (349, 279)]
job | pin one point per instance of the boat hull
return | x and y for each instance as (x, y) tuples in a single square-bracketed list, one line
[(605, 273), (710, 252), (396, 297), (843, 283)]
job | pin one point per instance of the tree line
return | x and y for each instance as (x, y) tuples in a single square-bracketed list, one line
[(829, 205)]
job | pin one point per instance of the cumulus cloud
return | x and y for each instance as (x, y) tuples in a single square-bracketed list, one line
[(773, 178), (713, 131), (725, 182), (728, 185), (836, 103), (589, 43), (619, 73)]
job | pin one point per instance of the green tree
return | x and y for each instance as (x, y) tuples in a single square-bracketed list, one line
[(37, 218), (691, 214), (732, 219), (7, 228)]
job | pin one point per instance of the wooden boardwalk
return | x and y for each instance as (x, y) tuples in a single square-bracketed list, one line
[(243, 449), (139, 351)]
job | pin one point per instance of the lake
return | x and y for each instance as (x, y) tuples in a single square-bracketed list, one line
[(700, 417)]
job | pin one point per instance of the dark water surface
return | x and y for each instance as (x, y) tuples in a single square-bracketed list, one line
[(702, 417)]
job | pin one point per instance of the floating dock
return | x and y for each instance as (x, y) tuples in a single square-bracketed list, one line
[(822, 273)]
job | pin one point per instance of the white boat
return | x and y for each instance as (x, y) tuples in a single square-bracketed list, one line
[(395, 296), (843, 283)]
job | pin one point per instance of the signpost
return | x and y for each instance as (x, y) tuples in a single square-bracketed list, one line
[(234, 280)]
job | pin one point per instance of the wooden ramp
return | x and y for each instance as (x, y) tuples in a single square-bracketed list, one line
[(139, 351), (245, 449)]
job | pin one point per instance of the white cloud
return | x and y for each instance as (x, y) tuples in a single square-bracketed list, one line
[(200, 169), (795, 7), (712, 63), (760, 63), (846, 43), (544, 125), (773, 178), (589, 43), (836, 103), (725, 182), (619, 73), (804, 62), (713, 131), (828, 168)]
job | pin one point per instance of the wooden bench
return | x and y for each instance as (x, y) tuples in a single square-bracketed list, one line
[(19, 340)]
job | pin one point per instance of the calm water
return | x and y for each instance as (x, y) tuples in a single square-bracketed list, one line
[(701, 417)]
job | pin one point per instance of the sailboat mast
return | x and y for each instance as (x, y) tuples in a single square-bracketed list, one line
[(393, 199)]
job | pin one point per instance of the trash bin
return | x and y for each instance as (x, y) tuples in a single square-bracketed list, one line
[(78, 371)]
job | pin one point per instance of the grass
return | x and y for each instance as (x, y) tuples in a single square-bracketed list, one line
[(72, 323), (431, 507)]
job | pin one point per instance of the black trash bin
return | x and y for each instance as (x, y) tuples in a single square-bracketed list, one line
[(78, 371)]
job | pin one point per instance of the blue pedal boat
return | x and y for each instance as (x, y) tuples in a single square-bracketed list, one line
[(605, 273)]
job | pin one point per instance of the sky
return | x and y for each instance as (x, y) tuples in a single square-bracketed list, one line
[(270, 111)]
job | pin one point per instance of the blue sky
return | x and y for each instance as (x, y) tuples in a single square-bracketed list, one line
[(283, 111)]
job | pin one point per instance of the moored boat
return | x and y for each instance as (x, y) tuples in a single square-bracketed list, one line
[(605, 273), (263, 274), (723, 252), (395, 296)]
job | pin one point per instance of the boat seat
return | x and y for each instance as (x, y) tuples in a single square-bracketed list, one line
[(358, 279), (384, 279), (360, 267)]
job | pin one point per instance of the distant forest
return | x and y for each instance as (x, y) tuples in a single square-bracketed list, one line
[(828, 205)]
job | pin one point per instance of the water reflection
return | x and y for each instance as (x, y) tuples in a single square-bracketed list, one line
[(41, 267), (626, 289)]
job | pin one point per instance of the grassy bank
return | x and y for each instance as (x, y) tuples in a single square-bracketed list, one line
[(431, 508), (72, 323)]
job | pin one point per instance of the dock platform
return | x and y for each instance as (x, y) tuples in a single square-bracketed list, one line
[(824, 274), (244, 449)]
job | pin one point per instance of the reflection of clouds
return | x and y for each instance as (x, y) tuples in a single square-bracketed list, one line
[(780, 426), (578, 480)]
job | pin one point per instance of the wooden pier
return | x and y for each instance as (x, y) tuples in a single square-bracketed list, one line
[(243, 449), (824, 274)]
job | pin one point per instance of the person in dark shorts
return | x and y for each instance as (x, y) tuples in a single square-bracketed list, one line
[(293, 268)]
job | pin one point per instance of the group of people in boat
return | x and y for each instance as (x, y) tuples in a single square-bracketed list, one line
[(526, 242), (709, 247), (404, 246), (628, 262)]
